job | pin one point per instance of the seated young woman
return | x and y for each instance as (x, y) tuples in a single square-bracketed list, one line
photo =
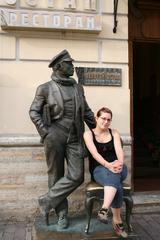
[(108, 169)]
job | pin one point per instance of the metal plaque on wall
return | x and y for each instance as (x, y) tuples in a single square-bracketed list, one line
[(99, 76)]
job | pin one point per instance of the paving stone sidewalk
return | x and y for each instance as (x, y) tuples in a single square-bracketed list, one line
[(13, 230), (146, 227)]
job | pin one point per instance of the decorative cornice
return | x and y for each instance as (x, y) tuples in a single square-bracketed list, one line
[(31, 140), (127, 139), (15, 140)]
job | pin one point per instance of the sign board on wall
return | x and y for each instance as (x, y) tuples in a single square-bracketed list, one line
[(99, 76), (32, 16)]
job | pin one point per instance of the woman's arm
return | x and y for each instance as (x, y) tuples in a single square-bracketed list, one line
[(118, 146)]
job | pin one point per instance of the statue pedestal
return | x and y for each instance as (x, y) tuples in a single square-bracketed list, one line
[(98, 230)]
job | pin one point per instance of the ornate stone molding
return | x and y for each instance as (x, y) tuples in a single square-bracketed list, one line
[(30, 140), (127, 139), (19, 140)]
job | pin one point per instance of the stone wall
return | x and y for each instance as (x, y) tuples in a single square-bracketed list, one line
[(24, 58), (25, 54), (23, 177)]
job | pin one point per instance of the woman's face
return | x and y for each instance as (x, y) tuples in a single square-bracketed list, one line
[(104, 120)]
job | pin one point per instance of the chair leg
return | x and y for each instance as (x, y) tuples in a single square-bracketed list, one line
[(129, 205), (89, 207)]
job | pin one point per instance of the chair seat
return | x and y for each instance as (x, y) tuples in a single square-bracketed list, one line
[(95, 192), (93, 186)]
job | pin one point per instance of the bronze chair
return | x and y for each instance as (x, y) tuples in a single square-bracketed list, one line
[(94, 192)]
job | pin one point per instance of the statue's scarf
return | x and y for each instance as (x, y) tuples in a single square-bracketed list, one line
[(63, 81)]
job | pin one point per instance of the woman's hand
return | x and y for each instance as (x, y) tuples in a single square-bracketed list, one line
[(115, 167)]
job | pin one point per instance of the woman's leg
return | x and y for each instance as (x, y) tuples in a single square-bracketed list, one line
[(118, 224), (116, 215), (118, 199), (116, 207), (109, 180), (109, 194)]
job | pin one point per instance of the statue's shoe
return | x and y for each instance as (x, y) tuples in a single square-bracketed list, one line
[(63, 221), (44, 207)]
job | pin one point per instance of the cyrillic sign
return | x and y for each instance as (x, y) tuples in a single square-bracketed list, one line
[(51, 20), (99, 76), (76, 15)]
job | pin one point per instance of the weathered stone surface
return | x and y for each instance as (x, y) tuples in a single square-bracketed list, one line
[(23, 177)]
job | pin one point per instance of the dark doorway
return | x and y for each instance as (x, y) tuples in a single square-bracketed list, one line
[(146, 115)]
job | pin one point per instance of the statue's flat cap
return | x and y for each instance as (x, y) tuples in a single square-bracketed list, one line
[(63, 56)]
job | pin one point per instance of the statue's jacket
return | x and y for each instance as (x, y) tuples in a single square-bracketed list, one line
[(47, 107)]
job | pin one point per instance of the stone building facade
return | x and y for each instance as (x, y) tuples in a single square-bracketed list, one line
[(31, 33)]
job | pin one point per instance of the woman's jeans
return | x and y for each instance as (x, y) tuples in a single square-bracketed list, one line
[(105, 177)]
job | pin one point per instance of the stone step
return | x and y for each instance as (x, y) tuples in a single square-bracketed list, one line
[(146, 202), (76, 230)]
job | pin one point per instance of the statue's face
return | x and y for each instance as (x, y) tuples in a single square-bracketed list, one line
[(67, 68)]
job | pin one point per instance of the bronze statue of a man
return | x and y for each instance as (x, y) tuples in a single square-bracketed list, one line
[(58, 111)]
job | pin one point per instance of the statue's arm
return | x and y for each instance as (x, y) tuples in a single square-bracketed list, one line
[(88, 114), (36, 111)]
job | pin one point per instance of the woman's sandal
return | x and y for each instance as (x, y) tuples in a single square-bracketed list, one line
[(119, 230), (103, 215)]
